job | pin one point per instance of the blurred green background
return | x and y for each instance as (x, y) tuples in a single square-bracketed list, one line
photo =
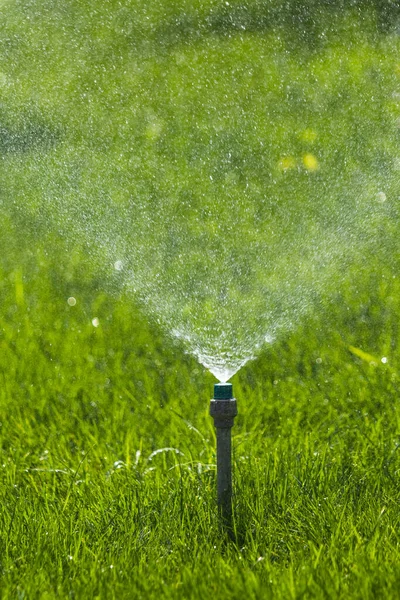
[(237, 160)]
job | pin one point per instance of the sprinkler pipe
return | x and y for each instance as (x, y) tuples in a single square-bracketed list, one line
[(223, 409)]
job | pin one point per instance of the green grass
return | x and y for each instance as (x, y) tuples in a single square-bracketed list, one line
[(107, 451), (90, 508)]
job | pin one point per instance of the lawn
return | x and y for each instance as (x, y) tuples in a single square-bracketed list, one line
[(187, 185)]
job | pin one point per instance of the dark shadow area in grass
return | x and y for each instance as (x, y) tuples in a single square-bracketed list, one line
[(306, 25), (31, 133)]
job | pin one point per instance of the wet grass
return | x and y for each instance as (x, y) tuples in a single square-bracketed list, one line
[(107, 454), (107, 451)]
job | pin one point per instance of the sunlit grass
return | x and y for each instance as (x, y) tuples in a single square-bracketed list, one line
[(108, 458)]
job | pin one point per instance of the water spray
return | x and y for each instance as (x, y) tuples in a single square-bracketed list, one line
[(223, 409)]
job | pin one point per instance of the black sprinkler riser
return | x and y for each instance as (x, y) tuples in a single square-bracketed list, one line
[(223, 409)]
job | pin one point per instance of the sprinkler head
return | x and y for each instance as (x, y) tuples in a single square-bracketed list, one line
[(223, 391), (223, 407)]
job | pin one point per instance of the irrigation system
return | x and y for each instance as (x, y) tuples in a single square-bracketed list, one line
[(223, 409)]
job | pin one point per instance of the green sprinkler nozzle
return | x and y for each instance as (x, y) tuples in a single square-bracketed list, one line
[(223, 391)]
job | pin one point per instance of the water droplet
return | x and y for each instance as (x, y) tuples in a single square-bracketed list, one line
[(71, 301), (381, 197)]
